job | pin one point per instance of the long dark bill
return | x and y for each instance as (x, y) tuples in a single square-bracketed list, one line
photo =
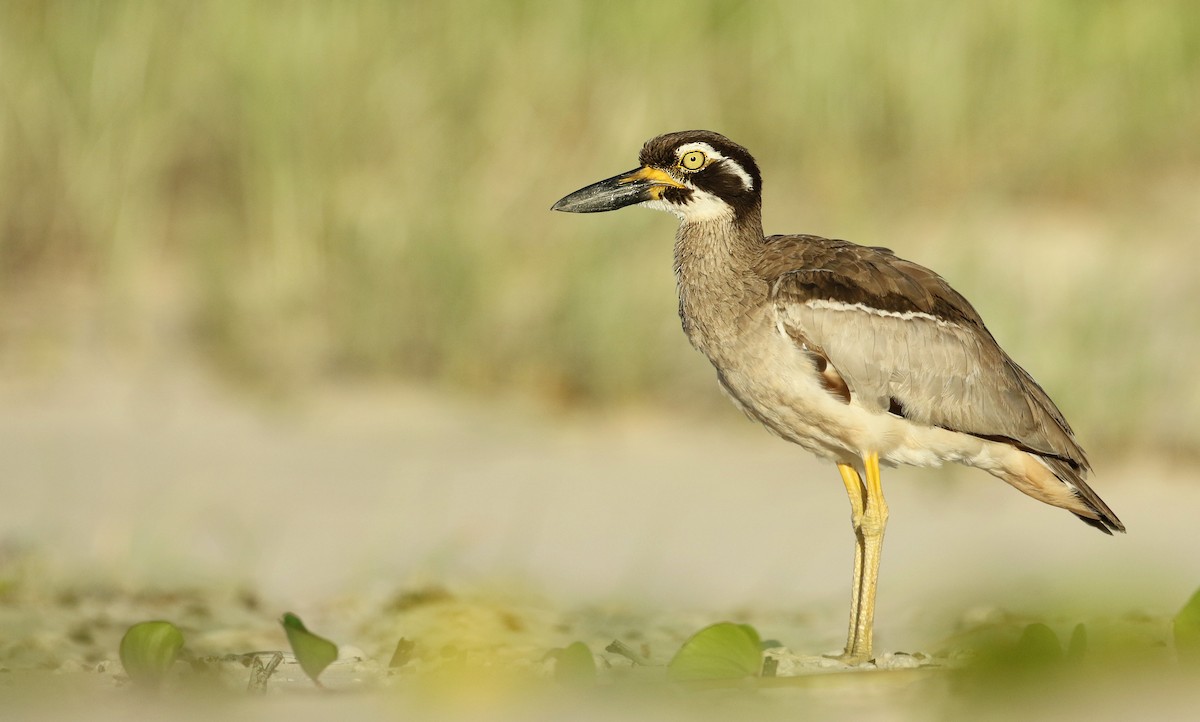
[(636, 186)]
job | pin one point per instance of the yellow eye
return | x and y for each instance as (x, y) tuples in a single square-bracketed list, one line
[(692, 161)]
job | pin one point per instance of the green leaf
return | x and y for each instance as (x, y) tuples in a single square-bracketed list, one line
[(574, 664), (149, 649), (403, 653), (1038, 646), (721, 651), (1077, 645), (312, 652), (1187, 631)]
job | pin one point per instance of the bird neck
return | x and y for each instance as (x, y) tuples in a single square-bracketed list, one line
[(719, 245), (714, 269)]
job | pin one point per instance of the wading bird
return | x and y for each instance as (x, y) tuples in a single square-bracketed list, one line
[(858, 356)]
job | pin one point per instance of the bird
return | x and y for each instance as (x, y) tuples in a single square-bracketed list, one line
[(849, 351)]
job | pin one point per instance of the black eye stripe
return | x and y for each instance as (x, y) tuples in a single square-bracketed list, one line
[(720, 180)]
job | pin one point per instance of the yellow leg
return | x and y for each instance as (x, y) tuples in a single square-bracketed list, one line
[(870, 534), (857, 493)]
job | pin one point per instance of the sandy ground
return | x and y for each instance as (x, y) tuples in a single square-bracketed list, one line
[(333, 506)]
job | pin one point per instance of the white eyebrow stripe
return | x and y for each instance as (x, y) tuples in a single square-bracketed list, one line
[(711, 152)]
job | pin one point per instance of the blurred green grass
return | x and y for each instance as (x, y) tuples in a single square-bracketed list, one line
[(307, 191)]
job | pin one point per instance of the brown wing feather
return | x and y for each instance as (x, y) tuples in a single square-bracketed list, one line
[(901, 333), (897, 337)]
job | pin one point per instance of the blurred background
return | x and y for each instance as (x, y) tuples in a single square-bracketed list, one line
[(262, 251)]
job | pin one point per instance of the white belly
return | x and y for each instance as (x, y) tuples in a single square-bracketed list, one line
[(779, 386)]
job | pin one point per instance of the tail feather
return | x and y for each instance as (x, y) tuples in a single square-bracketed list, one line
[(1072, 475)]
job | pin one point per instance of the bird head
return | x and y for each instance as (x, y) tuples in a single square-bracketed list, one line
[(698, 175)]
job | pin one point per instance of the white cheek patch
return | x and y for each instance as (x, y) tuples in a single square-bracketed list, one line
[(715, 155), (705, 207), (701, 207), (663, 206)]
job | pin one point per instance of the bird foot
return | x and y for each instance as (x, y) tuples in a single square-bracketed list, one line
[(849, 659)]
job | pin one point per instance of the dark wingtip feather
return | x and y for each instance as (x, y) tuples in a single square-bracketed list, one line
[(1096, 523), (1072, 473)]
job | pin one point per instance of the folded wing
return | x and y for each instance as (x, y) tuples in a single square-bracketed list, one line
[(903, 341)]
